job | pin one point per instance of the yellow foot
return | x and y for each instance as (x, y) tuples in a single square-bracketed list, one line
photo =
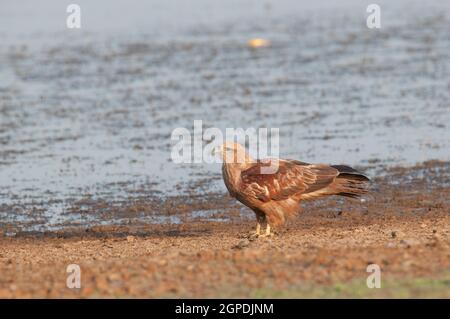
[(253, 235), (257, 232), (266, 234)]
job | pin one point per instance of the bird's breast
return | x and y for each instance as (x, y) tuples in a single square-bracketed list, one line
[(231, 179)]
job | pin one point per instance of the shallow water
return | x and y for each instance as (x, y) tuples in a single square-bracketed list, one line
[(88, 113)]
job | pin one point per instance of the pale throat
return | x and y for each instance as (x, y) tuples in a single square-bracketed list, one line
[(233, 170)]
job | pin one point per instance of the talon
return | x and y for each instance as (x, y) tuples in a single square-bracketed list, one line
[(254, 235), (267, 232), (257, 233)]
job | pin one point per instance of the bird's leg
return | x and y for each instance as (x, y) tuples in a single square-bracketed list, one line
[(267, 233), (258, 228), (268, 230), (257, 233)]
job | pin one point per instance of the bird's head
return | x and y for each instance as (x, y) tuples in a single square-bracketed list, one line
[(232, 153)]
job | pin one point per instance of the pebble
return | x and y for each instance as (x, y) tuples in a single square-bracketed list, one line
[(391, 245), (406, 243), (242, 244), (162, 262)]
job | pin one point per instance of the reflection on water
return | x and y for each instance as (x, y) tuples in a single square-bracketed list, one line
[(89, 113)]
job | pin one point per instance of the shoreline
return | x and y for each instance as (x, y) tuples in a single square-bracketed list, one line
[(92, 217), (403, 228)]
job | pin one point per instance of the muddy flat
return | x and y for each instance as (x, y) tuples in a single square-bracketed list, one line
[(86, 116), (324, 252)]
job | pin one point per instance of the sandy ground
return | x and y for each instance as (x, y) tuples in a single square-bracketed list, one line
[(86, 118), (404, 228)]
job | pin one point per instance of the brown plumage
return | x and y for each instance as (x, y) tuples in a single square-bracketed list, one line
[(276, 195)]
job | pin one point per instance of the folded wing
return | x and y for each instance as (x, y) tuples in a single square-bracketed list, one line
[(292, 179)]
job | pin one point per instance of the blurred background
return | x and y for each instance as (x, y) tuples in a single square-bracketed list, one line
[(86, 114)]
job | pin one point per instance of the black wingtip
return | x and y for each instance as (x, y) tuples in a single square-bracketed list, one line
[(354, 176), (351, 195), (350, 173)]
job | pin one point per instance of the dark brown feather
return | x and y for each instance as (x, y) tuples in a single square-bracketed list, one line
[(292, 178)]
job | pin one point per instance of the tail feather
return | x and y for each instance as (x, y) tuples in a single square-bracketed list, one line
[(354, 177), (350, 182)]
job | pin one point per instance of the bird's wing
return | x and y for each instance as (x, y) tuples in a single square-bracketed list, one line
[(291, 178)]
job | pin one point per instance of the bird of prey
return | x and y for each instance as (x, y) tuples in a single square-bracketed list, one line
[(275, 195)]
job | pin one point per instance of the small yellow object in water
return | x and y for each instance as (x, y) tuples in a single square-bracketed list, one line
[(258, 43)]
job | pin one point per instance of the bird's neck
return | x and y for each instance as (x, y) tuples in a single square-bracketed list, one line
[(232, 169), (232, 174)]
